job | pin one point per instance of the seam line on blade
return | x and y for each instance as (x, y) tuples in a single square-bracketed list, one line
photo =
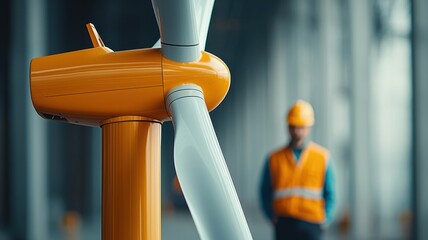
[(184, 97), (180, 45), (180, 90)]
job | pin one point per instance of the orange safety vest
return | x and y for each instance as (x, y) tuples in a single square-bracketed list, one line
[(298, 185)]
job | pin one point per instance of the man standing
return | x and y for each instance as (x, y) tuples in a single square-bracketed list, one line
[(297, 190)]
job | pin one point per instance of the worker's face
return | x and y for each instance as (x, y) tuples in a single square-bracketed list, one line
[(298, 133)]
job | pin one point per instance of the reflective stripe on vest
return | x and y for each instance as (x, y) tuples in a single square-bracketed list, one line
[(314, 194)]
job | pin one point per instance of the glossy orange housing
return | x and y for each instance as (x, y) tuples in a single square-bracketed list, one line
[(89, 86)]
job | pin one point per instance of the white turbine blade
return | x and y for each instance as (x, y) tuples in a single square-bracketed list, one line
[(157, 44), (202, 170), (178, 29), (204, 9)]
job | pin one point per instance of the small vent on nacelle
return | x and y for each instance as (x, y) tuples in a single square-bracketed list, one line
[(54, 117)]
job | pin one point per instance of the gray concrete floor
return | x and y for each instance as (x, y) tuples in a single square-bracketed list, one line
[(179, 225)]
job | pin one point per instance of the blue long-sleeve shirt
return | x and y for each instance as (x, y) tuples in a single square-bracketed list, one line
[(266, 190)]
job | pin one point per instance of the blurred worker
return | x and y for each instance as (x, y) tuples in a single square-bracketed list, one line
[(297, 189)]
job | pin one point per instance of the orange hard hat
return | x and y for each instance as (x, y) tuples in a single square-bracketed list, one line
[(301, 114)]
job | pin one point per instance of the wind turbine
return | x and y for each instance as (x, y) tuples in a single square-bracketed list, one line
[(129, 94)]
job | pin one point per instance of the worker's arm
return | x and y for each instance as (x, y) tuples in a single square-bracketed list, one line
[(329, 194), (266, 192)]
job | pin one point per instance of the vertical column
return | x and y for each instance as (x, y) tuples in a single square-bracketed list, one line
[(131, 179), (420, 117), (360, 24), (277, 88), (329, 62), (28, 158), (5, 21), (37, 130)]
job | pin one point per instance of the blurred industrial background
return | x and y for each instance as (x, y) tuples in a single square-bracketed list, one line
[(361, 63)]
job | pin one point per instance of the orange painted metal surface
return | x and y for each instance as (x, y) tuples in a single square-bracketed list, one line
[(209, 72), (88, 86), (131, 207)]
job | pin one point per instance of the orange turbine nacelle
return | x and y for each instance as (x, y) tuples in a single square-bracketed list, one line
[(90, 86)]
